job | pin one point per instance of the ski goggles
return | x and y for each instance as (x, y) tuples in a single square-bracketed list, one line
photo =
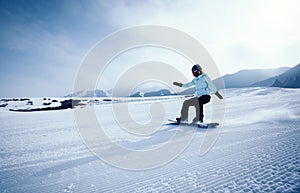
[(197, 73)]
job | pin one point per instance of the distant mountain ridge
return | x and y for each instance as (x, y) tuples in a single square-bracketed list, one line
[(288, 79), (246, 78), (284, 77), (102, 93), (276, 77), (89, 93)]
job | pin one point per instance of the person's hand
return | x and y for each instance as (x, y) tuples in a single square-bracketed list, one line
[(177, 84), (219, 95)]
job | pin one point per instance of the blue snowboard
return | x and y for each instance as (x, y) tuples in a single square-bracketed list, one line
[(207, 125)]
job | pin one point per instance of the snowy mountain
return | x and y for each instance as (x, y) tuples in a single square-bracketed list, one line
[(89, 93), (288, 79), (162, 92), (246, 78), (137, 94)]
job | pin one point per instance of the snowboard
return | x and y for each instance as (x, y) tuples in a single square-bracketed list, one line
[(207, 125)]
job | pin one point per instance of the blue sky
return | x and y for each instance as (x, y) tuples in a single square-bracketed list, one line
[(42, 43)]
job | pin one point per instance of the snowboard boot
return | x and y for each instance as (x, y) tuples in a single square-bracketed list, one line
[(181, 121), (200, 123)]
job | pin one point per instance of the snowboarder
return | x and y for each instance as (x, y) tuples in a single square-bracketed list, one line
[(204, 87)]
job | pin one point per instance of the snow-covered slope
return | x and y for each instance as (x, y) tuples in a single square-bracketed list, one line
[(29, 103), (257, 149)]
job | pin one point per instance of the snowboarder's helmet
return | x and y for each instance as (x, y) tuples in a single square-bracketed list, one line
[(196, 68)]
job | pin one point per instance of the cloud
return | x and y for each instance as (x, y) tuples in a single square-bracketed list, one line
[(264, 30), (45, 42)]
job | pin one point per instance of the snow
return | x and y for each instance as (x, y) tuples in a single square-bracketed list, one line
[(257, 149), (31, 103)]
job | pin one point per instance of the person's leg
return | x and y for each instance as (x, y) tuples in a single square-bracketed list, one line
[(186, 105), (202, 100), (197, 109)]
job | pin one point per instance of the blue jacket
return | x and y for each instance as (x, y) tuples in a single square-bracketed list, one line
[(203, 85)]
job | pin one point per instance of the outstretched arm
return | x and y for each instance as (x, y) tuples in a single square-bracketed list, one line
[(219, 95), (177, 84), (213, 88), (184, 85)]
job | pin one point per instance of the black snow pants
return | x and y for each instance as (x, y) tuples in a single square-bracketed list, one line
[(198, 104)]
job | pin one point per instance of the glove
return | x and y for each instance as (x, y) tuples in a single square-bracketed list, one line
[(177, 84), (219, 95)]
